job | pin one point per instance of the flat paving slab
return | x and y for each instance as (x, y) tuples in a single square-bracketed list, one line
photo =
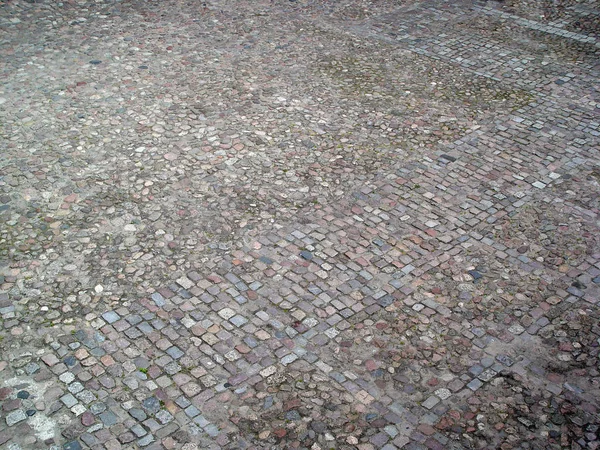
[(305, 224)]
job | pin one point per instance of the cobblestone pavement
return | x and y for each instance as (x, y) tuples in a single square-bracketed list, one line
[(275, 224)]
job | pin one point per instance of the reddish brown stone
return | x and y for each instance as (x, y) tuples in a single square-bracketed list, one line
[(11, 405), (291, 404), (426, 429), (279, 432), (87, 419), (371, 365), (4, 393)]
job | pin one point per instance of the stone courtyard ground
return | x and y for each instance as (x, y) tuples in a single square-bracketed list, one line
[(275, 224)]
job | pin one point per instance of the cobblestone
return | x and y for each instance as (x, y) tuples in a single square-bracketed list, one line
[(306, 224)]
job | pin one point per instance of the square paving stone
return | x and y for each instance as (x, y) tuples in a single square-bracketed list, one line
[(430, 402), (146, 440), (69, 400), (73, 445), (475, 384), (111, 316), (15, 417), (175, 352), (164, 416), (108, 418)]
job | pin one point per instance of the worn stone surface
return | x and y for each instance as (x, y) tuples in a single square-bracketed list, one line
[(299, 224)]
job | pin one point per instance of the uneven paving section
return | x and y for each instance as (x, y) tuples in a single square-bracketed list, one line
[(299, 224)]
